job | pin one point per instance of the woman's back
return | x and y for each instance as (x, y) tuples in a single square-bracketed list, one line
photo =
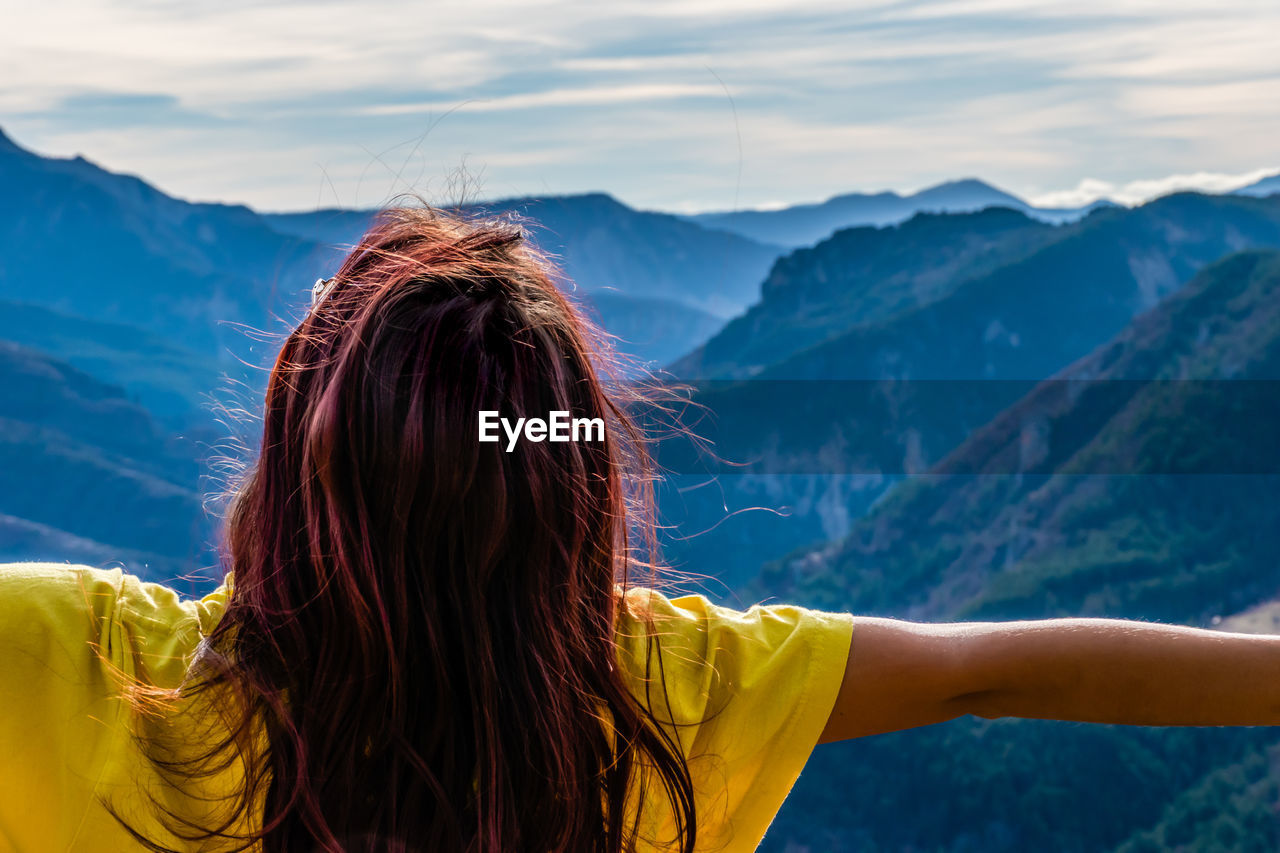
[(746, 697)]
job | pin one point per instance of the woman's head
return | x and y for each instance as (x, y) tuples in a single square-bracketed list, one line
[(371, 450), (423, 621)]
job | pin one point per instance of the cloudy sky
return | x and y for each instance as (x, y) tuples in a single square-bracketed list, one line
[(685, 106)]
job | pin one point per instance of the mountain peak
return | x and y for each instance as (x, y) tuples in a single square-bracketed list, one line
[(965, 184), (967, 191)]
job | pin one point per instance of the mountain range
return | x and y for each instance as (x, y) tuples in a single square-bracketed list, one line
[(602, 246), (805, 224), (946, 405), (859, 277), (224, 280), (1132, 484), (84, 241), (1076, 497), (894, 373), (1023, 315)]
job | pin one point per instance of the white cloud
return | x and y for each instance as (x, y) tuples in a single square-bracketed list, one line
[(591, 96), (1135, 192), (830, 96)]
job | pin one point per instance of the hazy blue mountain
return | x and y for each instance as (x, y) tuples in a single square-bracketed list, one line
[(335, 228), (860, 277), (85, 469), (653, 331), (601, 244), (225, 282), (1266, 186), (1100, 493), (1029, 318), (84, 241), (22, 539), (172, 383), (806, 224), (824, 431), (898, 301), (1037, 512)]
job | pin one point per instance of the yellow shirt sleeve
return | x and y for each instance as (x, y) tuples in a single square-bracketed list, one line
[(747, 695), (65, 632)]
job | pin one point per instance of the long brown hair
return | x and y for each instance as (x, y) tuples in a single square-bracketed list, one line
[(419, 651)]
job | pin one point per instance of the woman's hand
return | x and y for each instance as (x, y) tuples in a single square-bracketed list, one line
[(904, 674)]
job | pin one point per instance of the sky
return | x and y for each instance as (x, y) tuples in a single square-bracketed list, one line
[(681, 106)]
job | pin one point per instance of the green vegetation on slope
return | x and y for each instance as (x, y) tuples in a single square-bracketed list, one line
[(1133, 500), (1095, 494)]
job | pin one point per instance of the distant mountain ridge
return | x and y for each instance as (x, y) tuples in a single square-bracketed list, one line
[(1265, 187), (655, 330), (1029, 318), (1051, 301), (92, 243), (660, 285), (602, 245), (205, 274), (862, 276), (806, 224), (175, 385)]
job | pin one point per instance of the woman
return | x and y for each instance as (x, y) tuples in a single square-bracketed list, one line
[(429, 640)]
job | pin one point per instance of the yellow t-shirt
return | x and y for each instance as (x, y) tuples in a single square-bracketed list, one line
[(752, 691)]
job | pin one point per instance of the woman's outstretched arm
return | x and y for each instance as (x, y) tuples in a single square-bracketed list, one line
[(903, 674)]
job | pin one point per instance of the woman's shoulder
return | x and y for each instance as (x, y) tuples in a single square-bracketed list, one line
[(41, 584), (745, 692), (82, 609), (41, 599), (646, 611), (711, 654)]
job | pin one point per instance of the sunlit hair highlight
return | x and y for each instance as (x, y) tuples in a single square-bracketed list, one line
[(419, 650)]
